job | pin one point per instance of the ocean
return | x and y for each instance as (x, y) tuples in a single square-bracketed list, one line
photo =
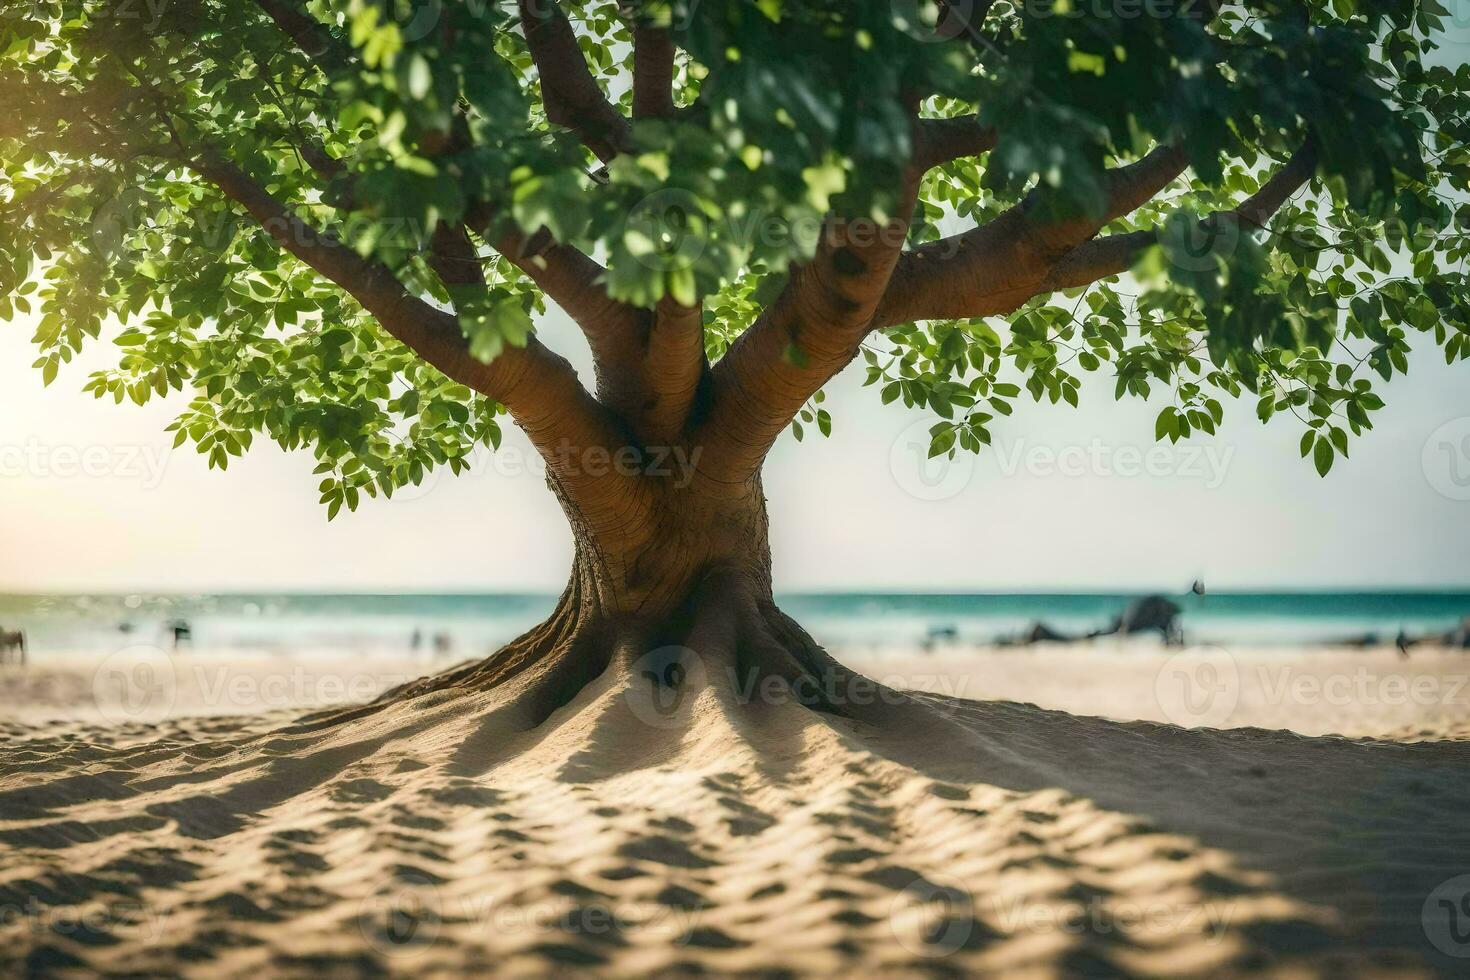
[(470, 624)]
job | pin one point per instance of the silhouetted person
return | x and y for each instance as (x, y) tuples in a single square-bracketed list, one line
[(939, 634), (182, 633), (13, 647)]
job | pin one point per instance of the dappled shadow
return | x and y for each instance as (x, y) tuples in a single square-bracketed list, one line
[(924, 835), (1366, 828)]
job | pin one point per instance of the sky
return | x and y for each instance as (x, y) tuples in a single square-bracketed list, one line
[(92, 498)]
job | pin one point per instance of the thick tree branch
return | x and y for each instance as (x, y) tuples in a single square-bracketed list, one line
[(572, 280), (944, 140), (568, 276), (673, 368), (431, 332), (1098, 259), (453, 257), (650, 371), (314, 152), (648, 362), (1115, 254), (571, 95), (1257, 209), (309, 34), (811, 332), (1005, 277), (963, 19), (653, 72), (329, 55), (644, 360), (1125, 189), (539, 388), (1010, 255)]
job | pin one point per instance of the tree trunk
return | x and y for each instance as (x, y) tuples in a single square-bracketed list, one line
[(672, 604)]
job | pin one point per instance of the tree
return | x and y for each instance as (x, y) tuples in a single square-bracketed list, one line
[(335, 219)]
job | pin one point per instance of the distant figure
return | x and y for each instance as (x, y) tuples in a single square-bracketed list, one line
[(1459, 638), (182, 633), (1042, 633), (1152, 613), (1198, 588), (442, 644), (13, 647), (939, 634), (416, 640), (1456, 639), (1403, 643), (1039, 632)]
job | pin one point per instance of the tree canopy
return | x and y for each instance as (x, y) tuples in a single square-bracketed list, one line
[(336, 220)]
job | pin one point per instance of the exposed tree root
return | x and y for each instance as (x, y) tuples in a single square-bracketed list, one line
[(724, 633)]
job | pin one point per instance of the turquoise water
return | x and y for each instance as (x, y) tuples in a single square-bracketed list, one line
[(473, 623)]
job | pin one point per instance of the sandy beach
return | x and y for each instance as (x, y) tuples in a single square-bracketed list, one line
[(671, 489), (1082, 811)]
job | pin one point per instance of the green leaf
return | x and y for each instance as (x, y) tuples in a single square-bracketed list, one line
[(941, 443), (1322, 456), (1166, 425)]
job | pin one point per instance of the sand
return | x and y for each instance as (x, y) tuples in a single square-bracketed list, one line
[(212, 830)]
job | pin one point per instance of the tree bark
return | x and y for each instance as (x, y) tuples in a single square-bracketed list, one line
[(687, 606), (569, 92)]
